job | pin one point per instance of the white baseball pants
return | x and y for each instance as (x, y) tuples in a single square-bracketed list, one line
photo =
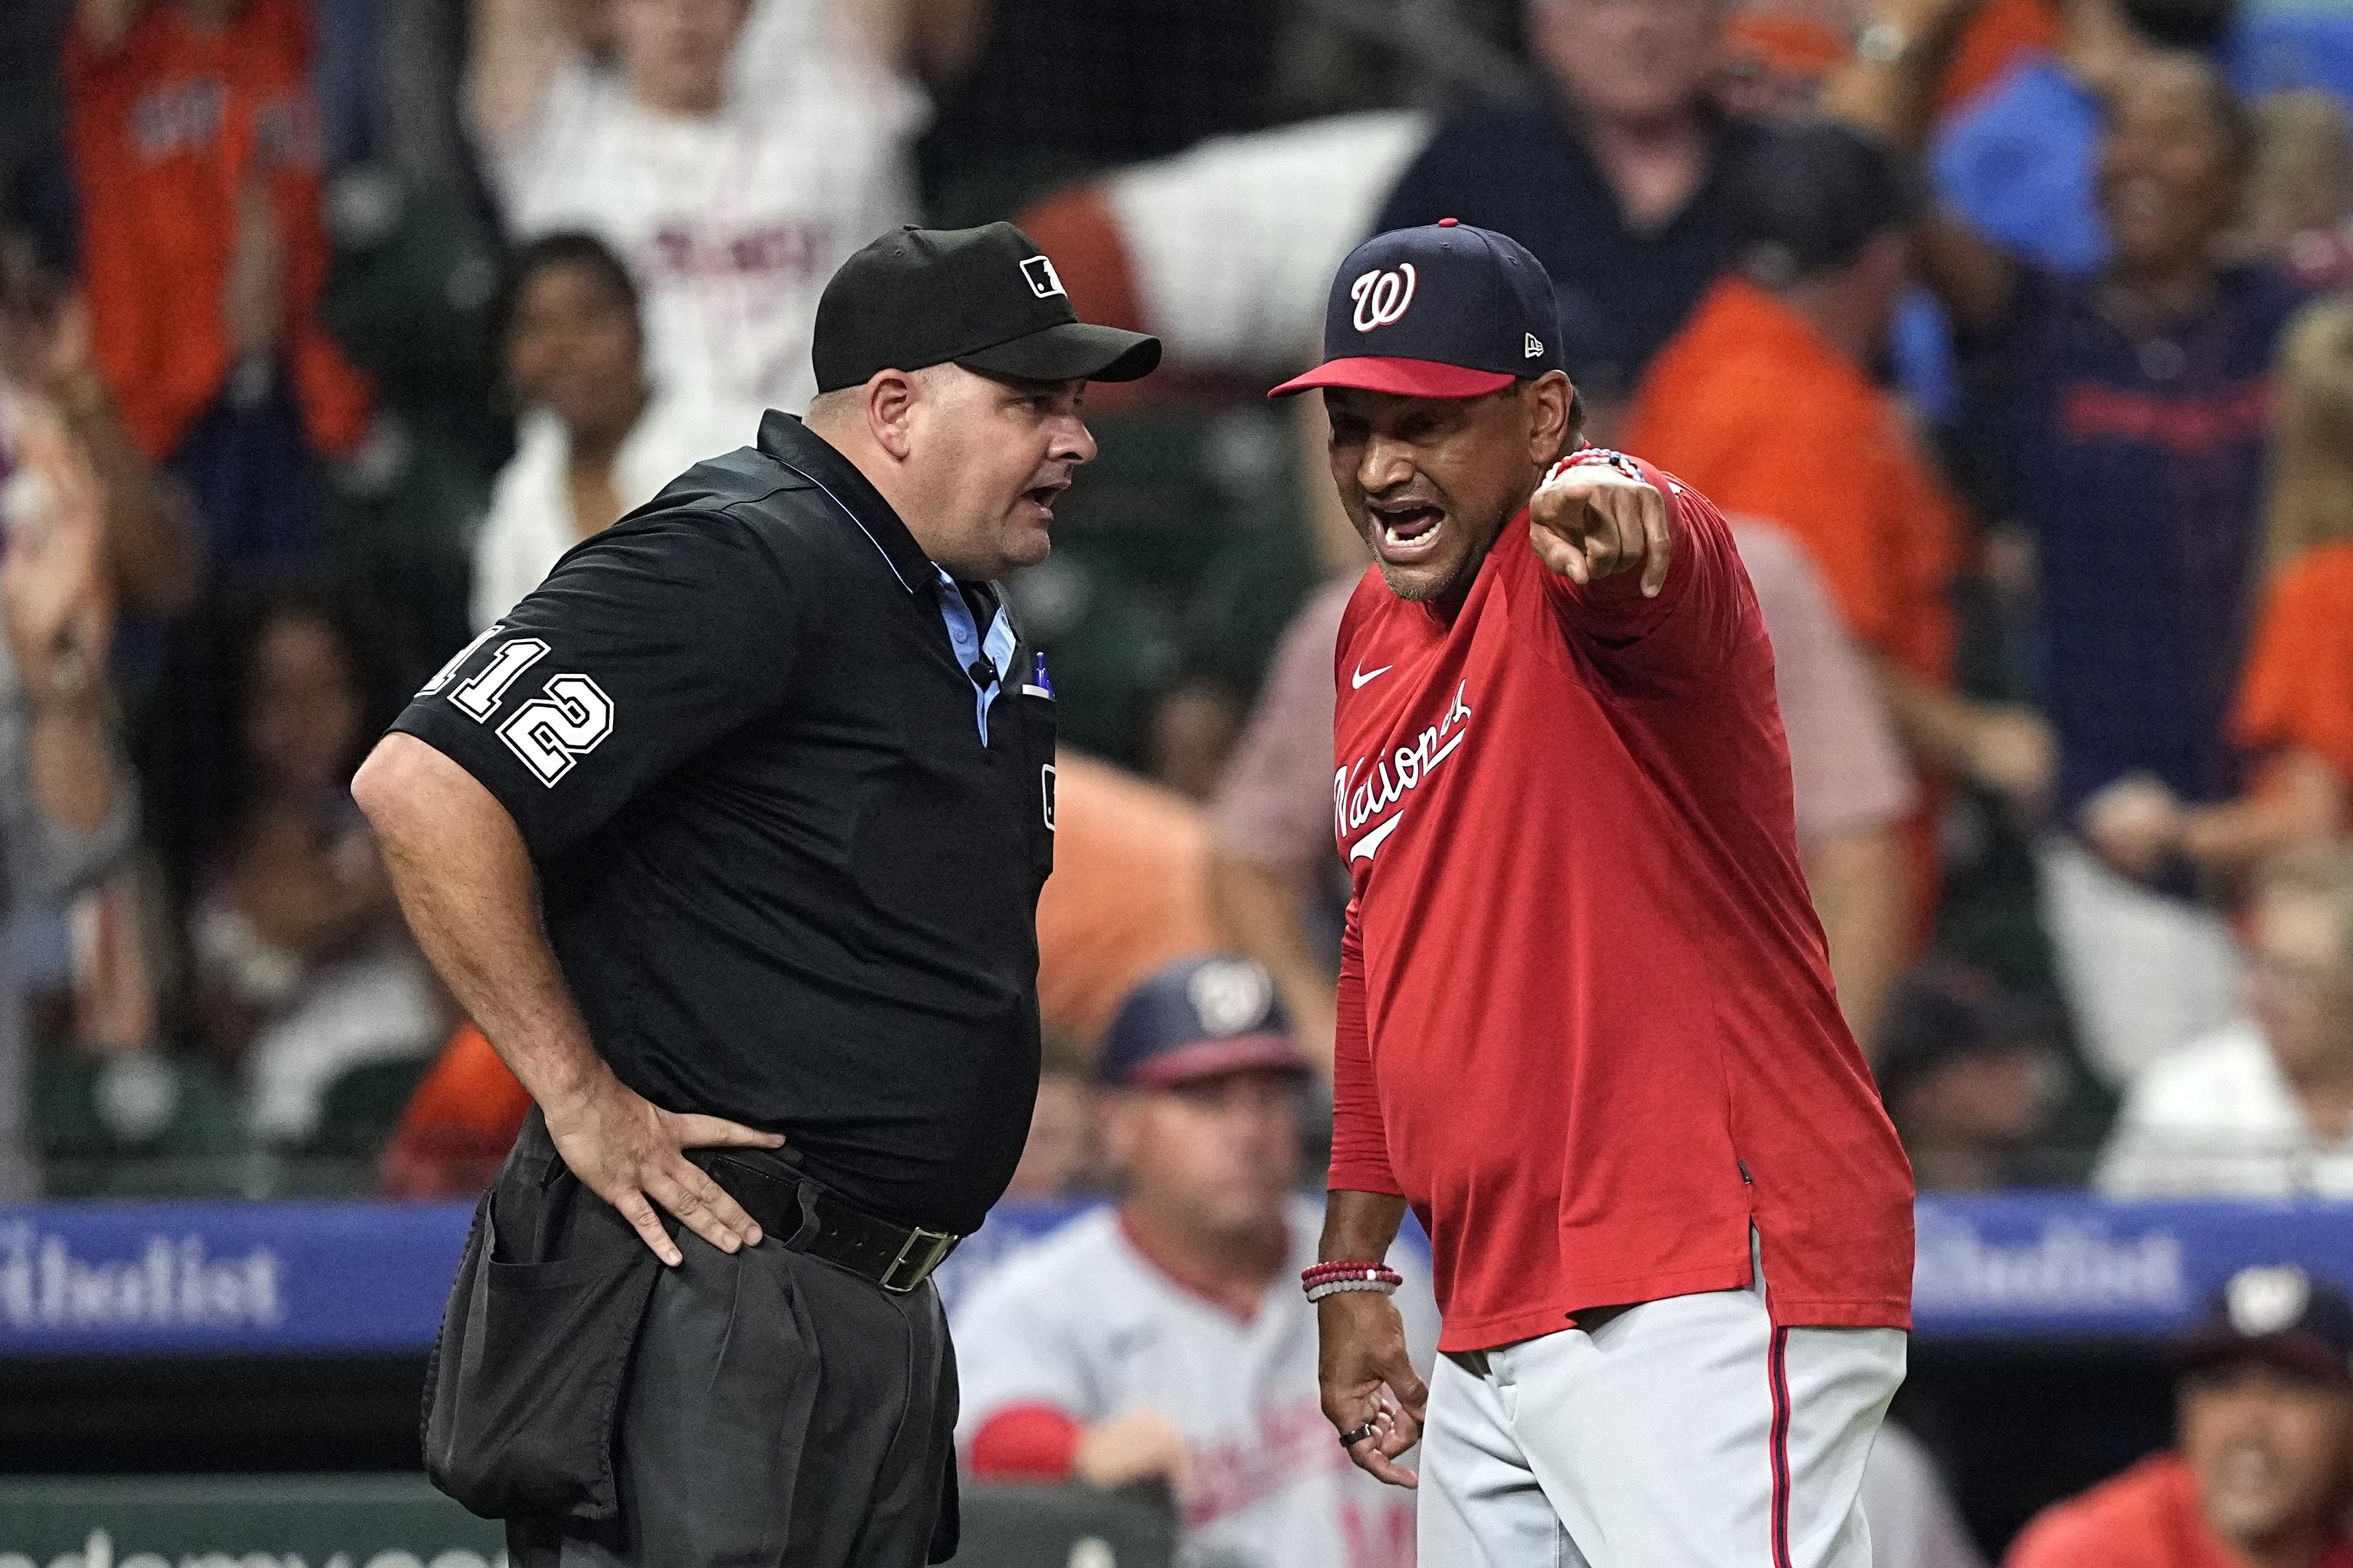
[(1692, 1432)]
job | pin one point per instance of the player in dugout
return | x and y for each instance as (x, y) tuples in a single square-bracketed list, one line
[(1587, 1026), (2263, 1470), (1158, 1341)]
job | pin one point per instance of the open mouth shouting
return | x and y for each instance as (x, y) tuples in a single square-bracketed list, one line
[(1405, 532)]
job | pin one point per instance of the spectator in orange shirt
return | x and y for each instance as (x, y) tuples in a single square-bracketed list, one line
[(2294, 709), (1130, 893), (459, 1124), (196, 158), (1767, 387), (2260, 1477)]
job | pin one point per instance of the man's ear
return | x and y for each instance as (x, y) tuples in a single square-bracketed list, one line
[(891, 397), (1546, 404)]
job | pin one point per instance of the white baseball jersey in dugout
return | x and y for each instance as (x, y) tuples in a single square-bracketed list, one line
[(1088, 1324)]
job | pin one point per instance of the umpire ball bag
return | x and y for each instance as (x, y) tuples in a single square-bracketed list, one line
[(523, 1389)]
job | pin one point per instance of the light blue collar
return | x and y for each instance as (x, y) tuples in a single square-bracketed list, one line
[(968, 643)]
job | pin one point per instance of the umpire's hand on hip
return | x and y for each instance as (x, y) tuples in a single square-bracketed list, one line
[(1591, 522), (628, 1151), (1368, 1380)]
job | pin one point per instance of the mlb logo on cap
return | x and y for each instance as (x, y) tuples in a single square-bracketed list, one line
[(1446, 311), (1044, 281)]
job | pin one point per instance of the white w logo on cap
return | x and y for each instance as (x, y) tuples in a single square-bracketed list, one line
[(1381, 297)]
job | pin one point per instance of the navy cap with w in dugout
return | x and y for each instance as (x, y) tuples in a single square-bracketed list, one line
[(1443, 310), (987, 298), (1197, 1019), (2278, 1312)]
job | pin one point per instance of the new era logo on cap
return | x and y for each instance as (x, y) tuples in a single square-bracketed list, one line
[(1044, 281), (1531, 346)]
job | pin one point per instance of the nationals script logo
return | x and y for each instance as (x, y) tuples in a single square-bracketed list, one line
[(1381, 297), (1358, 797)]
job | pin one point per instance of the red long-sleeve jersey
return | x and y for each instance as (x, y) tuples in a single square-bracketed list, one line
[(1587, 1023)]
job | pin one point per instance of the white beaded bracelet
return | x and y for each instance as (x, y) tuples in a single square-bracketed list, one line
[(1333, 1287)]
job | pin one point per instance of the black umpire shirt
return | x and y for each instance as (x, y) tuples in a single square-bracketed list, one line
[(785, 878)]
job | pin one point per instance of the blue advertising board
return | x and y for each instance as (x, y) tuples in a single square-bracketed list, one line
[(258, 1278), (368, 1278)]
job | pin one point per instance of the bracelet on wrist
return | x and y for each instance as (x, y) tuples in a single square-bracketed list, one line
[(1353, 1274), (1589, 455)]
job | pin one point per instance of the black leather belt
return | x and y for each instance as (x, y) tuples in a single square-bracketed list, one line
[(807, 1217)]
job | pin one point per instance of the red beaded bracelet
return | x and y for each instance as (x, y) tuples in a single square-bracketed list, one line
[(1586, 456), (1350, 1269), (1333, 1278)]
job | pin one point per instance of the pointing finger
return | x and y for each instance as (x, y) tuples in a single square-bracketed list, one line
[(1559, 547)]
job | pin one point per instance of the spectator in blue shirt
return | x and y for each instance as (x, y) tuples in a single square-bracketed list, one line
[(2019, 165), (2016, 164), (2129, 412)]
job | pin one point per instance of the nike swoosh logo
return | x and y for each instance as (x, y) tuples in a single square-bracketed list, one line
[(1365, 847), (1358, 681)]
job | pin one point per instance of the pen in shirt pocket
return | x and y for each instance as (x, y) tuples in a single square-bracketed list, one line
[(1040, 684)]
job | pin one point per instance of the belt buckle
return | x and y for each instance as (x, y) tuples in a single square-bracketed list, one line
[(927, 1249)]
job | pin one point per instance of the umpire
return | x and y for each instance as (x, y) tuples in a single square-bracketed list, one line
[(730, 836)]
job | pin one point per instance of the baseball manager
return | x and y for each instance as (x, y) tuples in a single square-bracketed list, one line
[(730, 836), (1586, 1021)]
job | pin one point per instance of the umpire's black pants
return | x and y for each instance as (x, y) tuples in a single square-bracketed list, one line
[(780, 1413)]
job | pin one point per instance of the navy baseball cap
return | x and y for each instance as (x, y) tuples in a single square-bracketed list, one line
[(1444, 310), (1198, 1018), (2276, 1312)]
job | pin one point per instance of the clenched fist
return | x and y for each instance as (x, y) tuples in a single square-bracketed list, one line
[(1592, 522)]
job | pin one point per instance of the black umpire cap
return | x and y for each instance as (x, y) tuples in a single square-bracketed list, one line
[(987, 299)]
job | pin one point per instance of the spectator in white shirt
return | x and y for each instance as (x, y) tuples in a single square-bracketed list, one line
[(733, 195), (2263, 1108), (599, 437)]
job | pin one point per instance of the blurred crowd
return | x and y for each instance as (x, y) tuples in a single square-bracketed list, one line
[(2013, 333)]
